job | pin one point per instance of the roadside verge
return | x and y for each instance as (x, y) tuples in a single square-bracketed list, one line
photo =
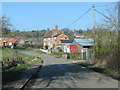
[(23, 77)]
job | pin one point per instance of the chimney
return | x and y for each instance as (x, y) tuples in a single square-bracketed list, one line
[(63, 31), (48, 29), (56, 27)]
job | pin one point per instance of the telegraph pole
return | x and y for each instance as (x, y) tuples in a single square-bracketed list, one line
[(93, 14), (93, 27)]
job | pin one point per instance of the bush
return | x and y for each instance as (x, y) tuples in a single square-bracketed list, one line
[(74, 56), (46, 47)]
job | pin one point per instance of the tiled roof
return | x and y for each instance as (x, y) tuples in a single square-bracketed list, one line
[(51, 33), (48, 34)]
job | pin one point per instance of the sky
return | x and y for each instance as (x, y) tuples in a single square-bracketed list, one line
[(42, 15)]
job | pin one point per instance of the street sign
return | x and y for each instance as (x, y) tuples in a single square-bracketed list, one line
[(83, 50)]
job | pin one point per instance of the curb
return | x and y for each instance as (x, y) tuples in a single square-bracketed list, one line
[(21, 83), (28, 79)]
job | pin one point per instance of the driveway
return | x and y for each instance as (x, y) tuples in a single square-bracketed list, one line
[(61, 73)]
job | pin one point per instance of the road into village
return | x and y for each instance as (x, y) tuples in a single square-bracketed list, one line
[(61, 73)]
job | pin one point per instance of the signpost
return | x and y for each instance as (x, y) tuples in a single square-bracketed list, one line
[(82, 51)]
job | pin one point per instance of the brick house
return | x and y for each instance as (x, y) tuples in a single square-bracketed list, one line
[(7, 41), (53, 37)]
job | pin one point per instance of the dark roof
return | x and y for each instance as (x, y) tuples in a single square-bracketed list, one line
[(48, 34), (66, 41)]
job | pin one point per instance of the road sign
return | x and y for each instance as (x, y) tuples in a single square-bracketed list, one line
[(83, 50)]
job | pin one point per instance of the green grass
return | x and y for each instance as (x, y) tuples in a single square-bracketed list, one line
[(6, 53), (52, 54), (28, 59), (40, 52), (22, 66), (112, 72), (100, 69)]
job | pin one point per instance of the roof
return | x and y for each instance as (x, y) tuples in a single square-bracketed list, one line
[(57, 35), (51, 33), (83, 42), (66, 41), (48, 34)]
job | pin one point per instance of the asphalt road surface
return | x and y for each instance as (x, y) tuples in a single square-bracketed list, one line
[(61, 73)]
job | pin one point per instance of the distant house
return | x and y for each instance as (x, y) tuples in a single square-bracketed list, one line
[(54, 37), (23, 40), (7, 41)]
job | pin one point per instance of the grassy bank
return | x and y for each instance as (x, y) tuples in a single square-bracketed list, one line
[(106, 71), (11, 73), (40, 52), (6, 53), (28, 60)]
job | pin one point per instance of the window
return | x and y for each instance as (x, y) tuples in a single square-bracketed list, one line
[(65, 37), (48, 43), (10, 38)]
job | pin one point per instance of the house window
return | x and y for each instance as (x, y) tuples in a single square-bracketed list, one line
[(10, 38), (49, 43), (65, 37)]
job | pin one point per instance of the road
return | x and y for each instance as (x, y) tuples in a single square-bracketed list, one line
[(61, 73)]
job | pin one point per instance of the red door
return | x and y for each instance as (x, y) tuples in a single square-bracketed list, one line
[(73, 48)]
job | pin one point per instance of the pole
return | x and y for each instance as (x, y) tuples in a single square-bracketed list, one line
[(94, 26), (93, 14)]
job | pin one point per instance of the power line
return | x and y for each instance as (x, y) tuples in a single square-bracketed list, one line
[(101, 14), (79, 18)]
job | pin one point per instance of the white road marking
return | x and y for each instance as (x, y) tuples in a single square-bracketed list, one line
[(71, 77)]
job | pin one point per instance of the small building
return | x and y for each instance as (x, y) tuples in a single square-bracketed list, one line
[(24, 40), (82, 46), (7, 41)]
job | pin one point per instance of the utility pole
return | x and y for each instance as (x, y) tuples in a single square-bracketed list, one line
[(93, 27), (93, 14)]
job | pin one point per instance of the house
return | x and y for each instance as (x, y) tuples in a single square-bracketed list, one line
[(53, 37), (7, 41), (23, 40)]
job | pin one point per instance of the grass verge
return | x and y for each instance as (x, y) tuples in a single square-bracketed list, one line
[(11, 74), (106, 71), (40, 52), (28, 61)]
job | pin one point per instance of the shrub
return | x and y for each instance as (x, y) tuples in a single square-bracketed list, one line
[(46, 47)]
